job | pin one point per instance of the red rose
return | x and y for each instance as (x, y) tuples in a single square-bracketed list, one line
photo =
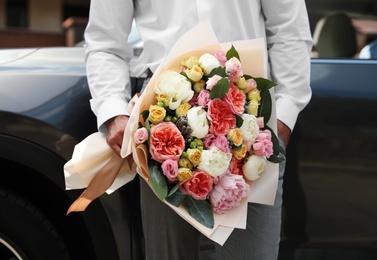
[(221, 117), (198, 186)]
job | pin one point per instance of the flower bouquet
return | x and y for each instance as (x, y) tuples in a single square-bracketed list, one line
[(202, 133)]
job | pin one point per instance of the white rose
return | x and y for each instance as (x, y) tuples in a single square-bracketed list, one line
[(208, 62), (249, 128), (214, 161), (197, 120), (253, 167), (176, 86)]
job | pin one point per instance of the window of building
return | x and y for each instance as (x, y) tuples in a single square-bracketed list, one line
[(16, 12)]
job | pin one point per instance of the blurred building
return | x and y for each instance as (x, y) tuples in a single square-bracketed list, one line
[(39, 23)]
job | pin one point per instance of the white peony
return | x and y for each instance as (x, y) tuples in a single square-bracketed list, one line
[(214, 161), (249, 128), (254, 166), (198, 122), (208, 62), (176, 86)]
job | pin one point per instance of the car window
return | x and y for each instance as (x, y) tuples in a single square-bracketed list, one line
[(343, 29)]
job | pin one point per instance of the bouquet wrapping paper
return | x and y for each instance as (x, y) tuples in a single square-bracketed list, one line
[(95, 167)]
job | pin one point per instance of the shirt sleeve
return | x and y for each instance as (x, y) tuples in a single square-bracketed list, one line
[(289, 46), (107, 57)]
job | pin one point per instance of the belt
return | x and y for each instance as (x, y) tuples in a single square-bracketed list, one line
[(137, 84)]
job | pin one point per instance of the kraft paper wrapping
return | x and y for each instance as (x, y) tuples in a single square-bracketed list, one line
[(93, 156)]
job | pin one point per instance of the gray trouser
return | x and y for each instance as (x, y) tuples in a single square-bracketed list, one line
[(169, 237)]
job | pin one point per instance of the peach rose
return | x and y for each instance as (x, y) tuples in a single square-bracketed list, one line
[(236, 99), (166, 142)]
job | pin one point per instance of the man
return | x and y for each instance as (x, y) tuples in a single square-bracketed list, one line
[(285, 26)]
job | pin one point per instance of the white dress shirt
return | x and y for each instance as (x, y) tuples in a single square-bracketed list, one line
[(284, 24)]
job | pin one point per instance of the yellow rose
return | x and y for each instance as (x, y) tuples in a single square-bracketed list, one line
[(164, 99), (239, 153), (185, 163), (235, 136), (182, 109), (199, 85), (252, 107), (190, 62), (241, 83), (184, 174), (195, 73), (156, 114), (194, 155), (254, 95)]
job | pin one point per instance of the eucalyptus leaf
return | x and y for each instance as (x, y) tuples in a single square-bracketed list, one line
[(158, 181), (232, 52), (199, 210), (175, 198), (220, 89), (265, 107)]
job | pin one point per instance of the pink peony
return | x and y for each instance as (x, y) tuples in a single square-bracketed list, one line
[(228, 193), (219, 141), (263, 145), (233, 67), (166, 142), (141, 135), (198, 186), (170, 169), (236, 99), (221, 117)]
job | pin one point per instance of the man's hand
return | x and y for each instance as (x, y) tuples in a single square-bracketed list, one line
[(115, 130), (284, 132)]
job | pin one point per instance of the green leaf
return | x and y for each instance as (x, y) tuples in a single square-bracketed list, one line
[(199, 210), (175, 198), (158, 181), (232, 52), (145, 114), (265, 107), (217, 71), (220, 89), (263, 83), (239, 121)]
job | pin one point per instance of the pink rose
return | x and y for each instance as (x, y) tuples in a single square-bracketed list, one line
[(233, 67), (228, 193), (170, 169), (221, 117), (203, 98), (198, 186), (236, 99), (219, 141), (212, 81), (194, 100), (166, 142), (221, 57), (251, 84), (263, 145), (141, 135)]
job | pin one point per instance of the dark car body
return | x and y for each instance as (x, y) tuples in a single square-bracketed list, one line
[(330, 193)]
